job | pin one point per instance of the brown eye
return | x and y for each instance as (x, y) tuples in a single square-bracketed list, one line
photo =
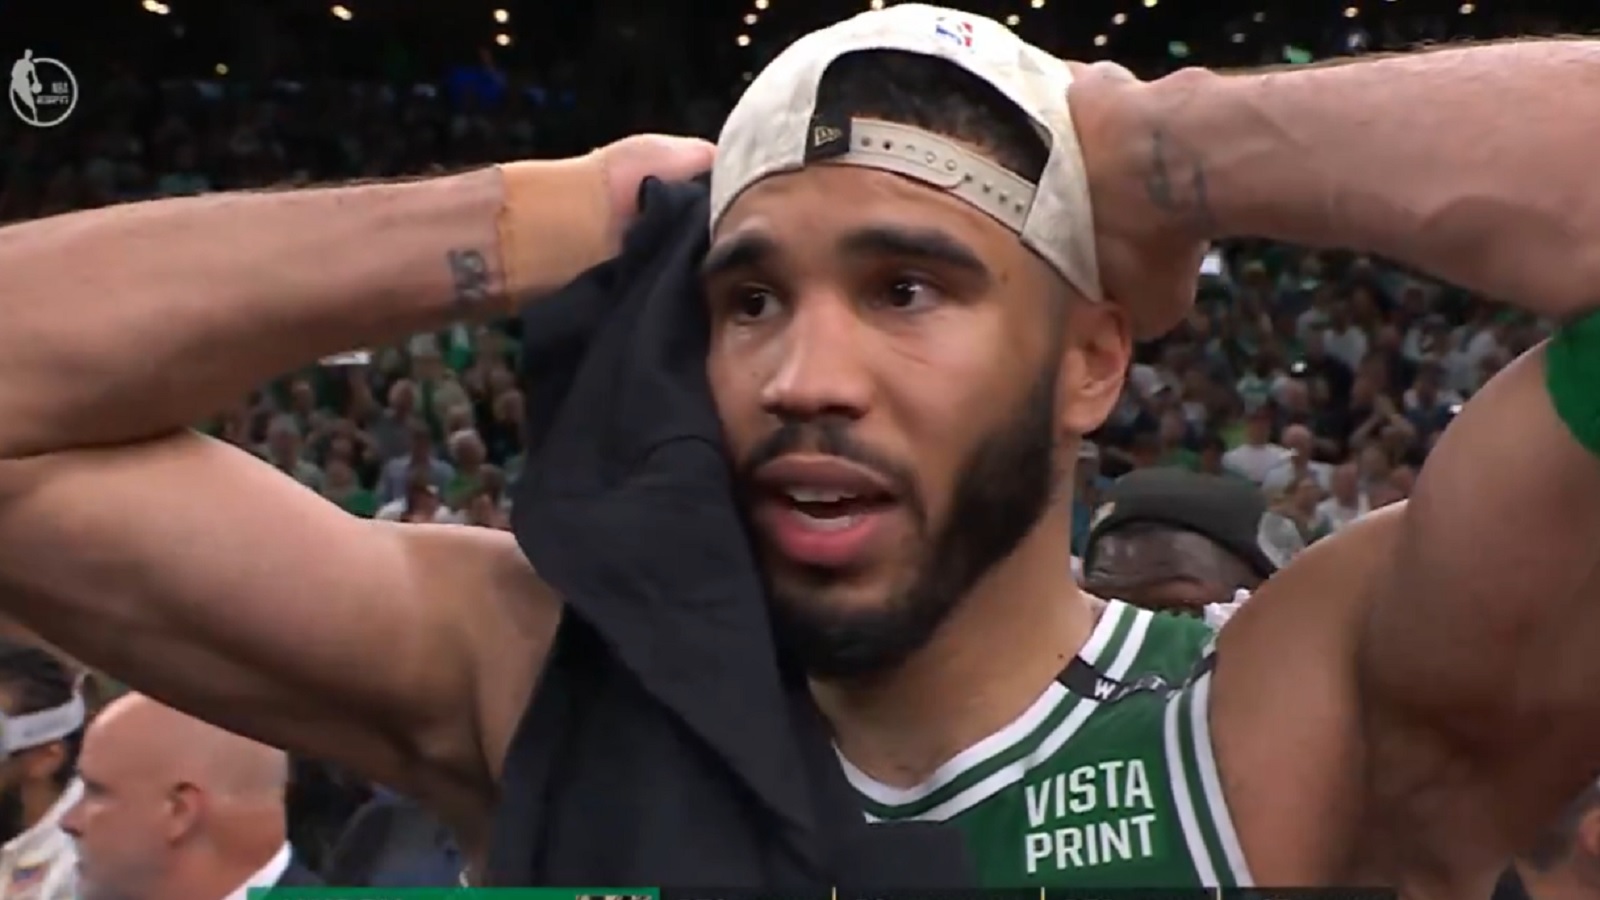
[(754, 304), (909, 294)]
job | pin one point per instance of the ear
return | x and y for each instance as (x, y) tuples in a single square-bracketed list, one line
[(185, 809), (1095, 354)]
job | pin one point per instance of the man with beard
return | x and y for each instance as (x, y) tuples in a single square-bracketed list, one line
[(902, 381), (42, 728)]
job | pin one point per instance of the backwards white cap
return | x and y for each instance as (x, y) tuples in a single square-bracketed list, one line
[(774, 128)]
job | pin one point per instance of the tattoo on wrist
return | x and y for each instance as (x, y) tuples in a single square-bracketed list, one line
[(469, 274), (1176, 182)]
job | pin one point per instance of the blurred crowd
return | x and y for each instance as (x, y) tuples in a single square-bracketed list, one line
[(1322, 378)]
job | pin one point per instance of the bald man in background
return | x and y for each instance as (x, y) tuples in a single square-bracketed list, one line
[(176, 809)]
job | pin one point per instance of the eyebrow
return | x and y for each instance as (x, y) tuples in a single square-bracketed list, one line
[(743, 252), (928, 245), (925, 244)]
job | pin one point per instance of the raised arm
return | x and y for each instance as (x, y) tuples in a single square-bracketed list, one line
[(1466, 163), (200, 575)]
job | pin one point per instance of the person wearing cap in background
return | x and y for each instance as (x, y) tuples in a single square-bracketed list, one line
[(893, 377), (42, 717), (1182, 542)]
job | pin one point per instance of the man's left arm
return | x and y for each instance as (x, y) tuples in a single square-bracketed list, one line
[(1472, 164)]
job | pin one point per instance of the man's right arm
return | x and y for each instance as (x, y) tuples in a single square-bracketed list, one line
[(134, 321), (198, 574)]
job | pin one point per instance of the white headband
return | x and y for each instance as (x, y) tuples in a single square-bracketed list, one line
[(35, 729)]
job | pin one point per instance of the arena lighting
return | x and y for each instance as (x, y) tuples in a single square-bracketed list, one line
[(503, 39), (1119, 18), (1013, 19), (222, 68), (875, 4), (1350, 12), (152, 6), (1099, 40), (742, 40), (1149, 3), (502, 16), (1467, 8), (1258, 18), (752, 18), (341, 13), (1036, 4), (1238, 37), (761, 4)]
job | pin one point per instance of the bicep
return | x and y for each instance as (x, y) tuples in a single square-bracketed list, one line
[(205, 578), (1486, 626)]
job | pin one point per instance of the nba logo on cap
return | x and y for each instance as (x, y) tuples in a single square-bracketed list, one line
[(957, 32)]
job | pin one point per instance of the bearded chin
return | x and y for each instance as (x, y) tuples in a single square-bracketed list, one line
[(1005, 486)]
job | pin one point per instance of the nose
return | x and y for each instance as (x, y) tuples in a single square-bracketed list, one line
[(72, 821), (822, 370)]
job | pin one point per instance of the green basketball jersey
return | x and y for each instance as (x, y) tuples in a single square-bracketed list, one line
[(1105, 782)]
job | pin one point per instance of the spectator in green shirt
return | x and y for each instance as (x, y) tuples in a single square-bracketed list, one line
[(339, 484)]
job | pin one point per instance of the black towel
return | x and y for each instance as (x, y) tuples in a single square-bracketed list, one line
[(667, 743)]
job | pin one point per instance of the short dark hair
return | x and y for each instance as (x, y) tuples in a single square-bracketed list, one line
[(938, 96), (40, 680), (1554, 844)]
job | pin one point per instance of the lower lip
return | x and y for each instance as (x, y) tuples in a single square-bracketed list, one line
[(820, 542)]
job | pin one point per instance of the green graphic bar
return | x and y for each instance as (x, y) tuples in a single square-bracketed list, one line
[(455, 894)]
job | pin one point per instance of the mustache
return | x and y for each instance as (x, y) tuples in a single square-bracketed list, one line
[(829, 437)]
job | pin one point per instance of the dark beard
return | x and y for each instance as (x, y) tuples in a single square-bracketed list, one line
[(11, 817), (1002, 489)]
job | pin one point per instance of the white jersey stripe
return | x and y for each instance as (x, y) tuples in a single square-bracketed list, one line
[(1018, 730), (1216, 801), (1013, 773), (1187, 820)]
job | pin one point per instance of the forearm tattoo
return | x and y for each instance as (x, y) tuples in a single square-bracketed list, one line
[(1176, 181), (469, 275)]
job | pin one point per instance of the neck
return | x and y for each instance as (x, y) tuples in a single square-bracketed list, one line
[(1009, 636), (207, 870), (37, 799)]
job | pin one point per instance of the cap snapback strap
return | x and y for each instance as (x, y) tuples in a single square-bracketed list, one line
[(929, 158)]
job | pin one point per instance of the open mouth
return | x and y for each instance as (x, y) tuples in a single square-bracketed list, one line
[(821, 509)]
